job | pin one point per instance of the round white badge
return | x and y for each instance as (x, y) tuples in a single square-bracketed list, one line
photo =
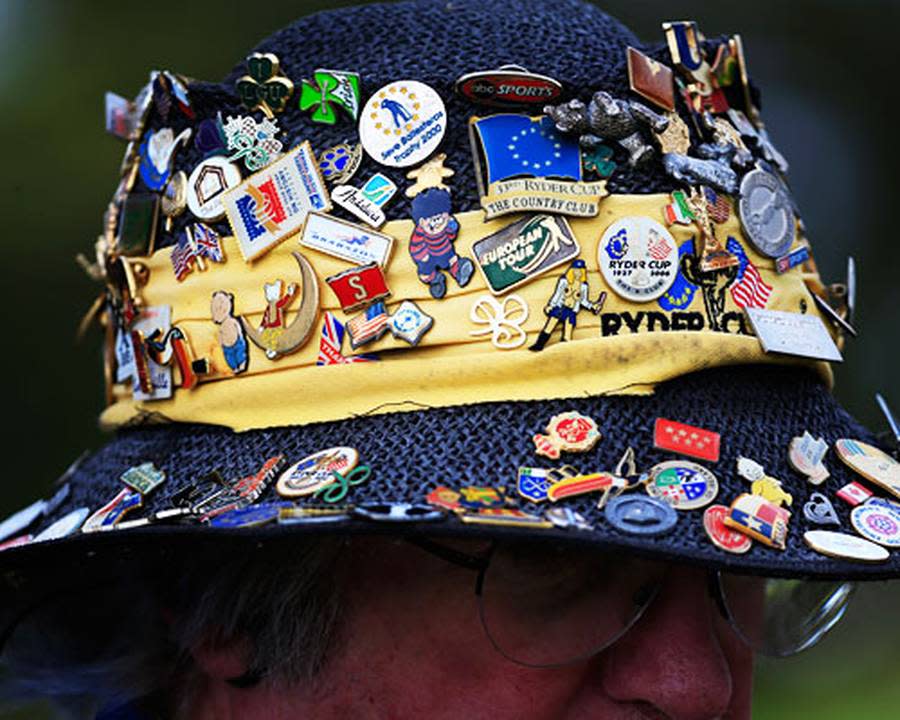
[(206, 185), (402, 124), (844, 546), (315, 471), (879, 521), (638, 258)]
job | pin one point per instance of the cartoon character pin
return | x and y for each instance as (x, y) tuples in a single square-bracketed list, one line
[(572, 294), (232, 338), (762, 484), (276, 336), (431, 243)]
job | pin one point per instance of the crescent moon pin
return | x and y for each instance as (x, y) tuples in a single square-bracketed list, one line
[(279, 341)]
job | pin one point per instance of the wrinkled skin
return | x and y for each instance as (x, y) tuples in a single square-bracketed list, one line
[(413, 647)]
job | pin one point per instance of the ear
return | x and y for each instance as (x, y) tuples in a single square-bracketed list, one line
[(222, 661)]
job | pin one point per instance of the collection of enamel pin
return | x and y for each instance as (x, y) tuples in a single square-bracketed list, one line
[(538, 158)]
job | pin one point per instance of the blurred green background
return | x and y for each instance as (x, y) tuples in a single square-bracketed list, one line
[(830, 101)]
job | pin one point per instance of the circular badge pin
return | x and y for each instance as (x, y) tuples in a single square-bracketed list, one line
[(402, 123), (879, 521), (844, 546), (315, 471), (870, 462), (722, 536), (682, 484), (638, 258), (766, 212), (65, 526), (639, 515), (20, 520), (206, 185), (252, 516)]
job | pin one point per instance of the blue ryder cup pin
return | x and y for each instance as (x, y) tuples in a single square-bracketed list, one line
[(252, 516), (639, 515), (638, 258), (402, 123), (533, 483)]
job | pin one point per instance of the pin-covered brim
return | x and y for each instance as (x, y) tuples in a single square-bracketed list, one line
[(756, 411)]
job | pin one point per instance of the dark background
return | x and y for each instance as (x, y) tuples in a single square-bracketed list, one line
[(828, 71)]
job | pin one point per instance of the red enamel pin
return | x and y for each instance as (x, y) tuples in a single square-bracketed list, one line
[(359, 286), (686, 440)]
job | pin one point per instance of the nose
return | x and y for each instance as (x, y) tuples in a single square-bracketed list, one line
[(673, 659)]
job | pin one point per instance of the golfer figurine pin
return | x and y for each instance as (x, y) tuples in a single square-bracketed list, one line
[(569, 298)]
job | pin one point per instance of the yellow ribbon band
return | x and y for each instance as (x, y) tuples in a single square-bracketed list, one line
[(450, 366)]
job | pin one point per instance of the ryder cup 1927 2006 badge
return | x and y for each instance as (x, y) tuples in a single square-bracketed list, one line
[(638, 258), (402, 123)]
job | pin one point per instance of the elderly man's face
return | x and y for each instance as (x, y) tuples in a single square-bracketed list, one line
[(412, 646)]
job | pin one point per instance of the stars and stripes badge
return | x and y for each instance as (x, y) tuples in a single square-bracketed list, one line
[(330, 344), (748, 289), (368, 326), (198, 242), (716, 205)]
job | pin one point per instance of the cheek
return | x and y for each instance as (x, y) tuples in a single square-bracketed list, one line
[(415, 647)]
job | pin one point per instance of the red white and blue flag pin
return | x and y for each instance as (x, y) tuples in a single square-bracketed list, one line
[(330, 344)]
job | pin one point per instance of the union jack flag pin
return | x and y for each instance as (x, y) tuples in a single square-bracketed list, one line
[(330, 353)]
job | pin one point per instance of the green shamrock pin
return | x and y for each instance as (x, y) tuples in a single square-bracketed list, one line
[(264, 88), (332, 89), (598, 161)]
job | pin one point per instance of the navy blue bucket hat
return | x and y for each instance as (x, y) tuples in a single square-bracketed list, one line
[(350, 398)]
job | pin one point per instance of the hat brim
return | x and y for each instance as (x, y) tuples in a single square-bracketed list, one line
[(756, 410)]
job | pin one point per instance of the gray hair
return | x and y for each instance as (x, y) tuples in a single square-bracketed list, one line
[(98, 648)]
